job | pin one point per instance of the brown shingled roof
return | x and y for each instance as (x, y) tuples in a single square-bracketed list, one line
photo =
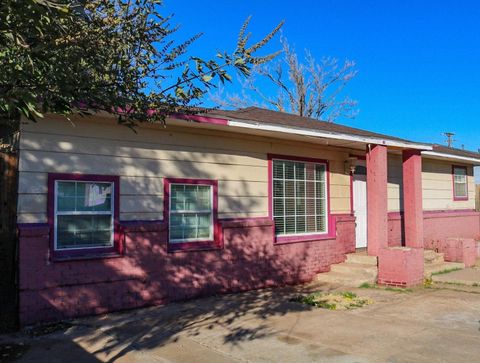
[(286, 119), (271, 117)]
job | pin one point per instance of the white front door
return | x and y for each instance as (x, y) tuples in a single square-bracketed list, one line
[(360, 207)]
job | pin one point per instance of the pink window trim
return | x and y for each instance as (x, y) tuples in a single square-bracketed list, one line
[(217, 242), (455, 198), (88, 253), (330, 221)]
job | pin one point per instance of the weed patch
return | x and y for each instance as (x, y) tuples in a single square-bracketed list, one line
[(446, 271), (333, 301)]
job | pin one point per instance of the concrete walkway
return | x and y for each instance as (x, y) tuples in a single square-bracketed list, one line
[(426, 325), (468, 277)]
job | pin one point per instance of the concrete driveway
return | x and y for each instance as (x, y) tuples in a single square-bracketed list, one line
[(426, 325)]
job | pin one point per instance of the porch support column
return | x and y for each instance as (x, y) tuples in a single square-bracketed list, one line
[(377, 228), (412, 198)]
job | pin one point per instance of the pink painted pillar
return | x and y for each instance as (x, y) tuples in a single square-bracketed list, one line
[(377, 225), (412, 198)]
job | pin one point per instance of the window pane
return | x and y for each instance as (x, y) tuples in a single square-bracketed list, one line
[(66, 189), (190, 232), (320, 172), (299, 197), (176, 219), (192, 222), (176, 233), (278, 188), (320, 190), (299, 171), (311, 224), (278, 207), (177, 191), (279, 225), (204, 232), (76, 231), (93, 196), (290, 207), (289, 170), (289, 189), (300, 224), (300, 204), (204, 220), (460, 190), (321, 225), (73, 196), (277, 169), (290, 225), (460, 171)]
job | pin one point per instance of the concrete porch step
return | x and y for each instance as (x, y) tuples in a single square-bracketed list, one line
[(351, 273), (443, 266), (362, 258), (338, 278), (355, 269), (432, 257)]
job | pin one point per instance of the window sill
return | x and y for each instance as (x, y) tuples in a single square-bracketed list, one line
[(460, 199), (66, 256), (193, 246), (281, 240)]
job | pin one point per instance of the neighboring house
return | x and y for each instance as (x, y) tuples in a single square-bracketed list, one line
[(228, 201)]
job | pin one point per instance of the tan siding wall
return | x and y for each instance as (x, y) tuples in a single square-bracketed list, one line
[(394, 183), (99, 146), (437, 186)]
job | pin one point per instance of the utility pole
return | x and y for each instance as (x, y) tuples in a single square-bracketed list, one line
[(450, 138)]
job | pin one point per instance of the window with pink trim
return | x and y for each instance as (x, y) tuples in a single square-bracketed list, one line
[(299, 198), (191, 213), (460, 182), (83, 215)]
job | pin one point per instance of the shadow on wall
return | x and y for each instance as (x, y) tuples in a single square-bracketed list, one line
[(149, 275)]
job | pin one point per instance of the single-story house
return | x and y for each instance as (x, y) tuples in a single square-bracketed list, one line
[(223, 201)]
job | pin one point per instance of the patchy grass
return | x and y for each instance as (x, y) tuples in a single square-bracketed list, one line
[(367, 285), (333, 301), (446, 271)]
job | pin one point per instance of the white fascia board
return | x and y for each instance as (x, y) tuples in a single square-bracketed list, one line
[(451, 156), (327, 135)]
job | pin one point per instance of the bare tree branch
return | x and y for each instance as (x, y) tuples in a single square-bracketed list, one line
[(310, 89)]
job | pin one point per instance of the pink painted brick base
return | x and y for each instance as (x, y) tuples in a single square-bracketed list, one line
[(400, 266), (148, 275), (439, 226), (457, 250)]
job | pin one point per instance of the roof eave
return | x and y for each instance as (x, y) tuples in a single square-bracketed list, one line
[(324, 134), (467, 159)]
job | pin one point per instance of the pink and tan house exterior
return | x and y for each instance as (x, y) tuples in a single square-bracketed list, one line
[(228, 201)]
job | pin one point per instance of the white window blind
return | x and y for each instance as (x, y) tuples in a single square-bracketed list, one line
[(299, 197)]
